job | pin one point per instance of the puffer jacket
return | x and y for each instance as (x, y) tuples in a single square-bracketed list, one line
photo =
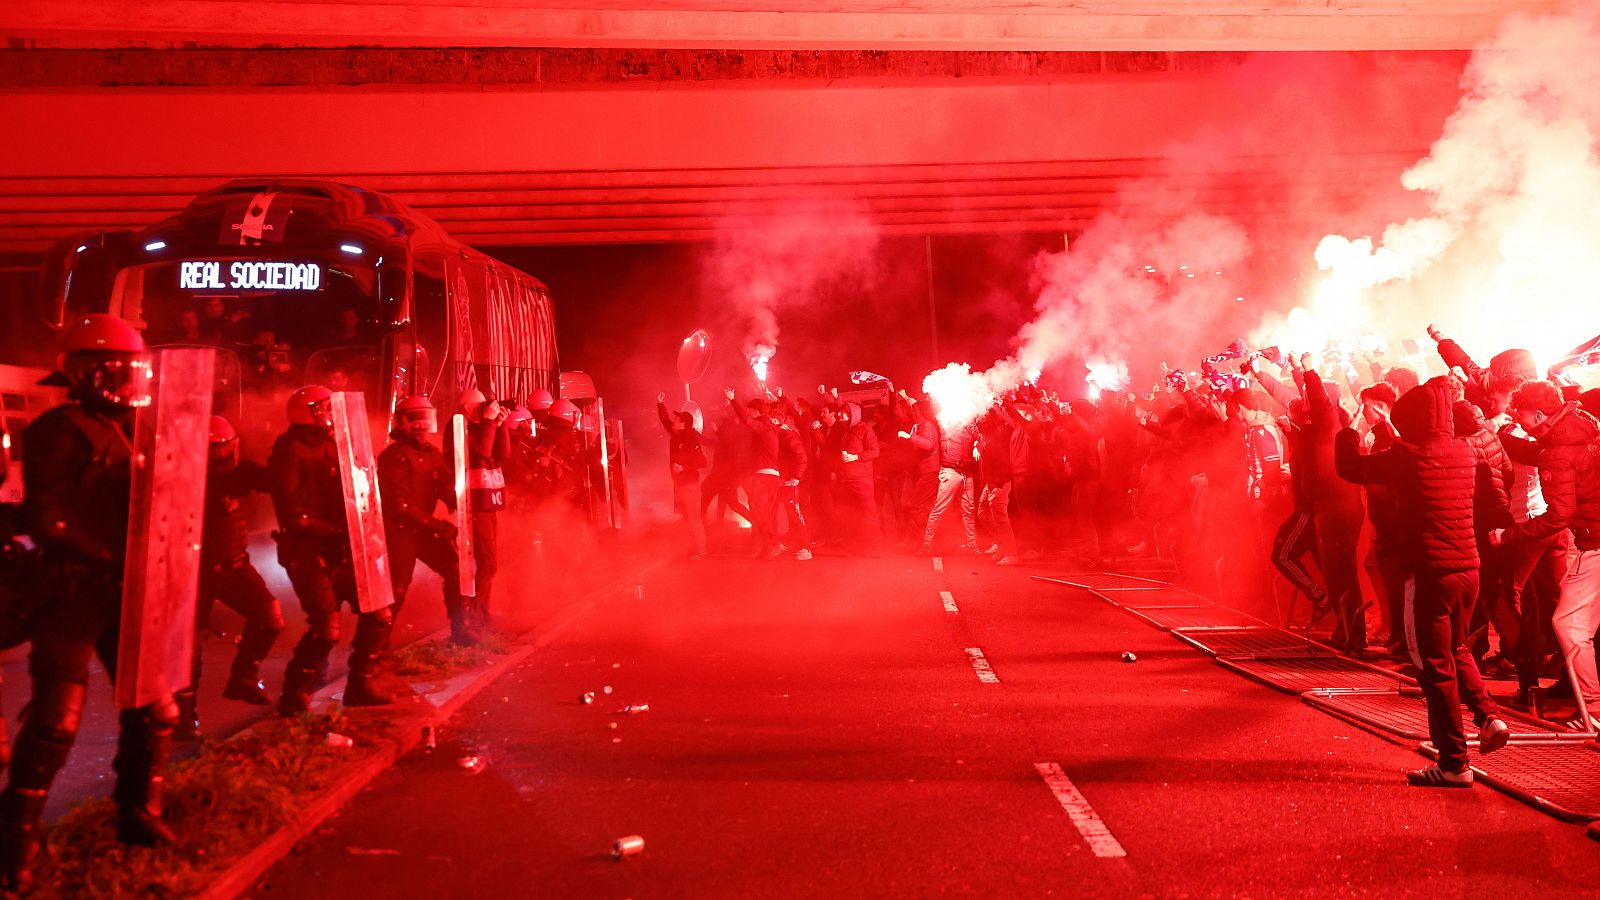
[(955, 447), (1331, 496), (1492, 503), (1434, 475), (1569, 474)]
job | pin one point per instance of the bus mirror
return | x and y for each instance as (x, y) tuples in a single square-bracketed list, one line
[(79, 273), (394, 294)]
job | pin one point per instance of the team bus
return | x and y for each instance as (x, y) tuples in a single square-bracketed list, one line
[(298, 282)]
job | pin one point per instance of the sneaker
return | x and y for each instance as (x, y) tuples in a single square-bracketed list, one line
[(1032, 555), (1433, 776), (802, 554), (1498, 667), (1006, 561), (1493, 735), (1577, 723), (973, 549), (993, 550), (696, 557)]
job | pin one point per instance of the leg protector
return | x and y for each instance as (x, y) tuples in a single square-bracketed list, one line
[(21, 810), (143, 747), (366, 659)]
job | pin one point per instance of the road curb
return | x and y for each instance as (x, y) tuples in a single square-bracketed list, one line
[(404, 736)]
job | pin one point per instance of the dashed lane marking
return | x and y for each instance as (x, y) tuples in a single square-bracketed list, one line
[(938, 564), (1095, 833), (949, 601), (981, 665)]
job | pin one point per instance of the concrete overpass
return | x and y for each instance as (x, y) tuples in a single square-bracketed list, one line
[(600, 122)]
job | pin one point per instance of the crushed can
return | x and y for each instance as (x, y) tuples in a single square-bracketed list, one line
[(634, 709), (342, 741), (474, 765), (632, 845), (586, 698), (1128, 657), (429, 740)]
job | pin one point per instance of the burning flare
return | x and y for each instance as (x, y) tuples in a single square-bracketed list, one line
[(961, 394)]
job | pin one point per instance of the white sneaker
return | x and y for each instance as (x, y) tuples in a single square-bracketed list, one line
[(803, 554), (1576, 723), (1006, 561), (993, 549), (1433, 776), (1493, 735)]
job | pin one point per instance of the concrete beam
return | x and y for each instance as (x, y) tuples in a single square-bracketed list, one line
[(1158, 25)]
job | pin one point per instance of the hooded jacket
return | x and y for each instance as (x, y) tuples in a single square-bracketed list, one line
[(1433, 474), (859, 441), (1492, 507), (1569, 474), (684, 449)]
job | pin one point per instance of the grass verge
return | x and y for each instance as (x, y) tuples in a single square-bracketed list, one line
[(436, 660), (221, 804)]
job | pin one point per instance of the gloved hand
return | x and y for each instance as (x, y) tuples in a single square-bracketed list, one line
[(444, 530)]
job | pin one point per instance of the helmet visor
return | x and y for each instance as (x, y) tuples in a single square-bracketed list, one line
[(322, 413), (425, 421), (120, 379)]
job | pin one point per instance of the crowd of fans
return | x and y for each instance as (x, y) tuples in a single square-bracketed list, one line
[(1465, 507)]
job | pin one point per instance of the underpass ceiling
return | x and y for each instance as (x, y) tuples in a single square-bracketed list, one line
[(846, 24), (550, 147)]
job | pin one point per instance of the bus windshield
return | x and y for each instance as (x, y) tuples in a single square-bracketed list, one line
[(274, 314)]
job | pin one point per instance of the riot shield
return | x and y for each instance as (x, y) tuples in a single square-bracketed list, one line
[(363, 513), (166, 517), (605, 462), (464, 554)]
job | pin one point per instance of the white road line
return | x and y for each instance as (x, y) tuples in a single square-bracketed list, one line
[(981, 666), (1095, 833), (949, 601), (938, 564)]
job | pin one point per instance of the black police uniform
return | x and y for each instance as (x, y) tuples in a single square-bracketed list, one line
[(228, 575), (76, 465), (413, 480), (314, 548), (488, 446)]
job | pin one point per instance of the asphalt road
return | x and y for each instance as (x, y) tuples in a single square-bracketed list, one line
[(521, 601), (821, 729)]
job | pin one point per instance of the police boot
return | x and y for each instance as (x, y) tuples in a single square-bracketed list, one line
[(304, 674), (244, 679), (366, 658), (188, 727), (478, 613), (21, 810), (143, 746), (463, 631)]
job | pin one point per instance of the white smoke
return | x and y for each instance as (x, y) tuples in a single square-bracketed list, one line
[(1509, 253), (760, 267)]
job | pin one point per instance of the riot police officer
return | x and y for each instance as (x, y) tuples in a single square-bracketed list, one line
[(413, 480), (488, 447), (76, 466), (314, 548), (227, 574)]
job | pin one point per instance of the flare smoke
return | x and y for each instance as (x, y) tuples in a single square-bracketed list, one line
[(1509, 252), (761, 267)]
